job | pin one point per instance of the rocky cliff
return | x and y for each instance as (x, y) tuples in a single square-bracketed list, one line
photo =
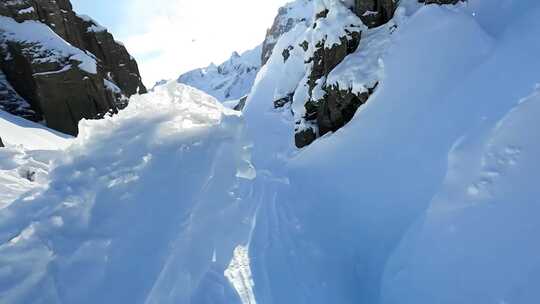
[(59, 67), (334, 48), (288, 17)]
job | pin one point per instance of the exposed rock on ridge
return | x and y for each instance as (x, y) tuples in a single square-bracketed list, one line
[(288, 17), (375, 12), (87, 77), (12, 102), (329, 104)]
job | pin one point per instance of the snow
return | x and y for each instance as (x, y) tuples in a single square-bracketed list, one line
[(358, 224), (111, 86), (25, 161), (95, 26), (96, 29), (364, 68), (230, 80), (46, 45), (22, 171), (16, 131), (480, 242), (28, 10), (145, 184), (427, 196)]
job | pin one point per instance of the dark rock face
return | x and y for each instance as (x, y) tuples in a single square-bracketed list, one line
[(339, 108), (375, 12), (114, 58), (12, 102), (326, 59), (336, 107), (304, 137), (65, 89), (282, 24), (1, 143), (280, 103), (65, 103), (241, 104)]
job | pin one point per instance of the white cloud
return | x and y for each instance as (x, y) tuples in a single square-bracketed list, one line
[(169, 37)]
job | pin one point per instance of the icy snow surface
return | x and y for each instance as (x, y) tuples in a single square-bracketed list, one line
[(427, 196)]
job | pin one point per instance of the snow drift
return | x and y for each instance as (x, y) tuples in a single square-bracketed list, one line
[(135, 209)]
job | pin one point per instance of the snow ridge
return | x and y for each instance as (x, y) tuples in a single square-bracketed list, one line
[(231, 80)]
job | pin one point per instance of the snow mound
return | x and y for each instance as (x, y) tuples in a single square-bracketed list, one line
[(141, 201)]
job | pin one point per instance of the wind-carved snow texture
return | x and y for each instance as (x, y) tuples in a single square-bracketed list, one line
[(239, 274), (429, 195), (147, 186)]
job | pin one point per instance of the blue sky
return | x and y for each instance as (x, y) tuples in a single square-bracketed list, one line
[(170, 37)]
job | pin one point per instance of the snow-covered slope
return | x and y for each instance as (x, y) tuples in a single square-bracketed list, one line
[(428, 195), (138, 204), (16, 131), (26, 159), (425, 196), (231, 80)]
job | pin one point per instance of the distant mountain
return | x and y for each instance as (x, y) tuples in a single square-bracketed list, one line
[(230, 80)]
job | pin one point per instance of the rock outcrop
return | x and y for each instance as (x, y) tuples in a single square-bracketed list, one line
[(67, 67), (375, 12), (1, 143), (329, 107), (288, 17), (12, 102), (326, 99)]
